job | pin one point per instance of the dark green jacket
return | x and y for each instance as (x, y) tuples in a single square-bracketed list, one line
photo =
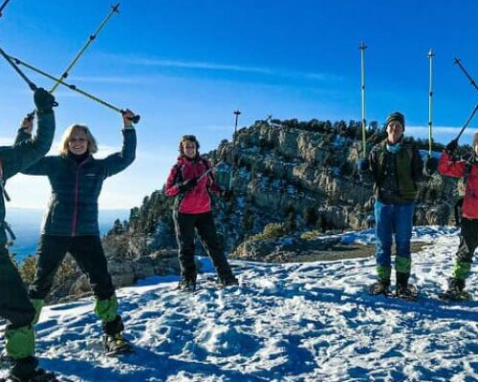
[(22, 155), (396, 174), (76, 187)]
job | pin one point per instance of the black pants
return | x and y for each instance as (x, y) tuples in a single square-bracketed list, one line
[(185, 225), (468, 240), (15, 306), (88, 254)]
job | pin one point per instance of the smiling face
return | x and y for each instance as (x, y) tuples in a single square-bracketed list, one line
[(189, 149), (394, 132), (78, 142)]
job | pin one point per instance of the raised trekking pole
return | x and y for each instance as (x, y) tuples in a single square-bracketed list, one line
[(114, 9), (362, 48), (460, 65), (473, 83), (72, 87), (31, 85), (430, 56), (237, 113), (2, 7), (467, 122)]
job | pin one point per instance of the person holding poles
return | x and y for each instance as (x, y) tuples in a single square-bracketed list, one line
[(467, 169), (71, 221), (15, 306), (394, 166), (191, 181)]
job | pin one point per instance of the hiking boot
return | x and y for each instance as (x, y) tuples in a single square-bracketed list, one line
[(116, 344), (227, 281), (27, 370), (5, 359), (40, 375), (380, 287), (456, 290), (187, 285), (456, 286), (407, 292)]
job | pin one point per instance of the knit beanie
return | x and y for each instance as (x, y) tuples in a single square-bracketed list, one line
[(396, 116)]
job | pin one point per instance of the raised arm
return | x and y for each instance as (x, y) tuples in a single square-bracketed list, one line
[(448, 167), (119, 161), (25, 153)]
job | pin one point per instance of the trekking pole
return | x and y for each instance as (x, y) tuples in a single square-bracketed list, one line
[(362, 48), (467, 122), (237, 113), (2, 7), (135, 119), (31, 85), (473, 83), (430, 102), (114, 9), (460, 65)]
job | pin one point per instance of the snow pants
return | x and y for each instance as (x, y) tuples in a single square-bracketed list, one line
[(186, 225), (466, 249), (90, 257), (17, 309), (393, 220)]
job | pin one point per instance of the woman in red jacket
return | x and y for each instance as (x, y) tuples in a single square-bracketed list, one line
[(191, 181), (467, 169)]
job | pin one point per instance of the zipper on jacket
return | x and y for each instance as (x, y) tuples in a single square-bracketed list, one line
[(75, 211)]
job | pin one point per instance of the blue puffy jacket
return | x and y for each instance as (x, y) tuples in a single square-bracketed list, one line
[(14, 159), (76, 187)]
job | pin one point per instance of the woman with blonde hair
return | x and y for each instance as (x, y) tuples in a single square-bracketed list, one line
[(71, 222)]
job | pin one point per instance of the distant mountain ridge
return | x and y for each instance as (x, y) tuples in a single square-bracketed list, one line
[(301, 175)]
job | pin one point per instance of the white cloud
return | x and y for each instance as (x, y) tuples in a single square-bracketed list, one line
[(211, 66), (421, 130)]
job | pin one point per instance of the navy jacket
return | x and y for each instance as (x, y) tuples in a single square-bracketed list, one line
[(22, 155), (76, 187)]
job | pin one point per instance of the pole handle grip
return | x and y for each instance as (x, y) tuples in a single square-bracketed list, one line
[(134, 119)]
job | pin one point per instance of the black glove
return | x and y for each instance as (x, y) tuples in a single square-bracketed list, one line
[(44, 101), (363, 165), (227, 194), (431, 165), (451, 147), (188, 185)]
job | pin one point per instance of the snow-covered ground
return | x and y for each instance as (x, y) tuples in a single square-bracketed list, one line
[(292, 322)]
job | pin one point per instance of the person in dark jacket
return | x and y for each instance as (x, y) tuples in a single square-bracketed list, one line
[(15, 306), (191, 181), (71, 222), (394, 165), (467, 169)]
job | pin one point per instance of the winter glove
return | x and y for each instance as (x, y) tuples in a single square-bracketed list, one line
[(363, 165), (44, 101), (431, 165), (188, 185), (451, 147), (227, 194)]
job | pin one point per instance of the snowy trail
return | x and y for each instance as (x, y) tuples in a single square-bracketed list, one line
[(292, 322)]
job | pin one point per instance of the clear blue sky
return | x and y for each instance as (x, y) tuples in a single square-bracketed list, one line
[(186, 65)]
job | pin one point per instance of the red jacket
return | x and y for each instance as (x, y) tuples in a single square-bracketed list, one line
[(457, 170), (197, 200)]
